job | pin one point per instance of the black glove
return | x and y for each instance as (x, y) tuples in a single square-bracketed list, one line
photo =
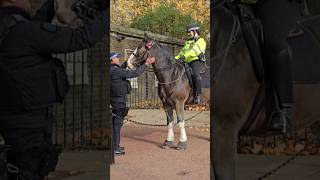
[(181, 60), (202, 57)]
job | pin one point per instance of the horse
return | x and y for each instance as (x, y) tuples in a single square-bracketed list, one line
[(174, 88), (235, 87)]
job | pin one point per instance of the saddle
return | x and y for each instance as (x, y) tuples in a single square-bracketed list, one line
[(205, 75), (189, 74), (205, 79)]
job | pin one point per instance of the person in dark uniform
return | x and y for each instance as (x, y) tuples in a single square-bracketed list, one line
[(277, 23), (120, 87), (29, 82)]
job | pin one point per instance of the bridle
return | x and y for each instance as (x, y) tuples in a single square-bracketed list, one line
[(83, 11), (142, 58), (139, 59)]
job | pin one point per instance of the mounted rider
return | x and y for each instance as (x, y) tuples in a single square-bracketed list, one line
[(276, 24), (193, 53)]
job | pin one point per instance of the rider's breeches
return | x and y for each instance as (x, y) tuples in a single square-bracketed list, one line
[(196, 78), (277, 23), (282, 78)]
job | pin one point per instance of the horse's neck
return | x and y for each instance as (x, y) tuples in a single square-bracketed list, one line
[(163, 69)]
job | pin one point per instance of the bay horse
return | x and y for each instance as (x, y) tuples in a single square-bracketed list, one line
[(173, 88), (235, 88)]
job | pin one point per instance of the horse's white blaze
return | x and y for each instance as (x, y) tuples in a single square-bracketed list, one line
[(64, 13), (183, 134), (170, 136), (129, 61)]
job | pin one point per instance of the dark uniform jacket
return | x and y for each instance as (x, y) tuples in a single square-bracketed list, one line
[(118, 78), (26, 71)]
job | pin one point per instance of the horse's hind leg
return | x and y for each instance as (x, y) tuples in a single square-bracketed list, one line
[(183, 135), (170, 137)]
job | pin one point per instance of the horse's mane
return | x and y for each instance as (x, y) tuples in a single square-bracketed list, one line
[(165, 53)]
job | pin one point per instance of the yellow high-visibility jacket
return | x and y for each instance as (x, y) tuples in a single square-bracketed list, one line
[(192, 49)]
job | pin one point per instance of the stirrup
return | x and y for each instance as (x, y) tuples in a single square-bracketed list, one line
[(280, 121), (197, 99)]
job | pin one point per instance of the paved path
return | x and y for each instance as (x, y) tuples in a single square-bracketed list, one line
[(302, 168), (145, 160), (83, 165), (90, 165)]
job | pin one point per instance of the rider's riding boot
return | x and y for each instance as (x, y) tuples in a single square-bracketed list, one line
[(281, 120), (197, 99), (197, 87), (282, 80)]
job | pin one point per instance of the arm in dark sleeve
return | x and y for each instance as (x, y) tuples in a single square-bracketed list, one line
[(124, 64), (48, 38), (131, 73), (46, 12)]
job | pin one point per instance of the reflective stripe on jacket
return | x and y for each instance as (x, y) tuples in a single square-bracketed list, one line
[(192, 49)]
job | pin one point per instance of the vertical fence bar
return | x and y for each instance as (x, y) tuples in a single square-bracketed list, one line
[(101, 97), (154, 89), (306, 137), (147, 88), (252, 143), (91, 96), (137, 92), (295, 138), (82, 92), (73, 99), (65, 110), (56, 123), (140, 91)]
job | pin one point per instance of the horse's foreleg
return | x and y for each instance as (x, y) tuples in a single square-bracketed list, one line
[(170, 137), (183, 135), (223, 146), (169, 113)]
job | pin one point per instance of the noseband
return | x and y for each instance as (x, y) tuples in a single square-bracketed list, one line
[(140, 59)]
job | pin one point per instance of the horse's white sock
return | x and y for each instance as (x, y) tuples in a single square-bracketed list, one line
[(170, 136), (183, 135)]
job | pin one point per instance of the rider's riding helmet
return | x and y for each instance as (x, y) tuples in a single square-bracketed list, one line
[(193, 27)]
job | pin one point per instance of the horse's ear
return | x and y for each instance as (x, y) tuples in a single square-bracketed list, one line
[(146, 37)]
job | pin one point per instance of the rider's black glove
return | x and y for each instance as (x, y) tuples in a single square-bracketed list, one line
[(181, 60)]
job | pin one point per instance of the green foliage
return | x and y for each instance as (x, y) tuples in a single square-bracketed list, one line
[(165, 20)]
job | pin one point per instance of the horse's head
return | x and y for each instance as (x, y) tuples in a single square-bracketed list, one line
[(75, 12), (141, 53)]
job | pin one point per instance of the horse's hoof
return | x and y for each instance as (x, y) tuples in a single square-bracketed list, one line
[(167, 145), (182, 145)]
